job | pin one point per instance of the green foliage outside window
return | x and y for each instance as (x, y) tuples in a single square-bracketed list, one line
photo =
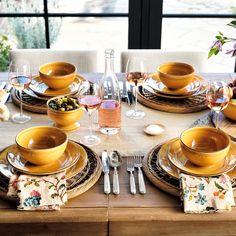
[(5, 49), (29, 32)]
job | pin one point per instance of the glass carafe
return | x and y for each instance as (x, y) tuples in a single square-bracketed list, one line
[(109, 113)]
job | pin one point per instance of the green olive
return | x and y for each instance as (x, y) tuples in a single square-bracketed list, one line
[(64, 104)]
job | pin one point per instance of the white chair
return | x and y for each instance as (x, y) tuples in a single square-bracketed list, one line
[(155, 57), (84, 60)]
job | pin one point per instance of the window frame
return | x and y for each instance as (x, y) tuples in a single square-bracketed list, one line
[(144, 16)]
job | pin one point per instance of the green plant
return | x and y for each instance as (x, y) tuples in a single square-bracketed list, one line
[(29, 32), (221, 39), (5, 49)]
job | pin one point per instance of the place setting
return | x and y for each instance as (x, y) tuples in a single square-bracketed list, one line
[(201, 155), (54, 79), (174, 88), (52, 170)]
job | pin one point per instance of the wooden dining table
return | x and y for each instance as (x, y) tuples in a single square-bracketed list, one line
[(95, 213)]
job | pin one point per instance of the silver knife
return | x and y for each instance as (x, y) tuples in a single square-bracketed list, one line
[(106, 170)]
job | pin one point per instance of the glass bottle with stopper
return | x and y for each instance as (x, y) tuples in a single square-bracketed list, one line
[(109, 113)]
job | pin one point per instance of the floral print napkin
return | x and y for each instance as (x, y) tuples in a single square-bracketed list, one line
[(206, 194), (38, 193)]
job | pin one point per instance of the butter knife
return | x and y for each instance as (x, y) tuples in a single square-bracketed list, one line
[(106, 170)]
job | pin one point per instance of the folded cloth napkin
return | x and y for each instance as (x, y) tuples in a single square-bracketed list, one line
[(38, 193), (206, 194)]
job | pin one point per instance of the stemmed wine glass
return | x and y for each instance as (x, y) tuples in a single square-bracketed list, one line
[(20, 77), (136, 74), (218, 97), (90, 100)]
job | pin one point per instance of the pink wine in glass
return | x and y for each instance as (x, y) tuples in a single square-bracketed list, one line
[(217, 104), (20, 82), (90, 103), (136, 78)]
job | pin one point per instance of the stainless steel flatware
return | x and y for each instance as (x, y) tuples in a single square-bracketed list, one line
[(130, 168), (138, 164), (106, 170), (5, 169), (115, 162), (7, 88)]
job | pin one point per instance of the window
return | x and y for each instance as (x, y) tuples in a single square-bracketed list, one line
[(119, 24)]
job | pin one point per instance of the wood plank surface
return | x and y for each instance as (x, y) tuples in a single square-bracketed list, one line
[(94, 213)]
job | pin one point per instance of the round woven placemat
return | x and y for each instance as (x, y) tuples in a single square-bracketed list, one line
[(185, 105), (29, 103), (157, 175), (76, 185)]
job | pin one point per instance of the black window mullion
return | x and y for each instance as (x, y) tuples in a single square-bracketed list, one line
[(145, 21), (47, 36), (155, 23), (135, 24)]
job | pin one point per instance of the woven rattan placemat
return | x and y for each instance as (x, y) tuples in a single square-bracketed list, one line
[(186, 105)]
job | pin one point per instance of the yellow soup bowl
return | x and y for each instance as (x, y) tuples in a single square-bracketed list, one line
[(66, 120), (41, 145), (230, 110), (57, 75), (176, 75), (204, 146)]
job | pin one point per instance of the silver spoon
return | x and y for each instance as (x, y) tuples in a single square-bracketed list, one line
[(115, 161)]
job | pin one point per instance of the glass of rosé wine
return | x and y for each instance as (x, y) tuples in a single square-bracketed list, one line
[(218, 97), (136, 74), (19, 76), (90, 100)]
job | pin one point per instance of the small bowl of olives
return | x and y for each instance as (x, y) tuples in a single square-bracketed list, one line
[(230, 110), (65, 111)]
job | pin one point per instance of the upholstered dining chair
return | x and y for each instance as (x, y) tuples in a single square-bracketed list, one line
[(155, 57), (84, 60)]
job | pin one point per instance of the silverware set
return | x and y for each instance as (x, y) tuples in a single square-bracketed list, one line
[(126, 91), (114, 160), (7, 88)]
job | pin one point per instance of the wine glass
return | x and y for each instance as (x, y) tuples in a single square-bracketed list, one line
[(218, 97), (136, 74), (90, 100), (20, 77)]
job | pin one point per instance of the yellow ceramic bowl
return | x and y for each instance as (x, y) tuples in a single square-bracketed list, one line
[(204, 146), (176, 75), (66, 120), (57, 75), (41, 145), (230, 110)]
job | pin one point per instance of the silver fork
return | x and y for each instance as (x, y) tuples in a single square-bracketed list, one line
[(138, 164), (130, 168)]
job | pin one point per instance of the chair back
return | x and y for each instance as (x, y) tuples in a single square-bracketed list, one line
[(84, 60), (155, 57)]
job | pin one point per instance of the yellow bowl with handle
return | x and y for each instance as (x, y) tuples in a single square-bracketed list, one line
[(204, 146), (64, 119), (57, 75), (176, 75), (41, 145)]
